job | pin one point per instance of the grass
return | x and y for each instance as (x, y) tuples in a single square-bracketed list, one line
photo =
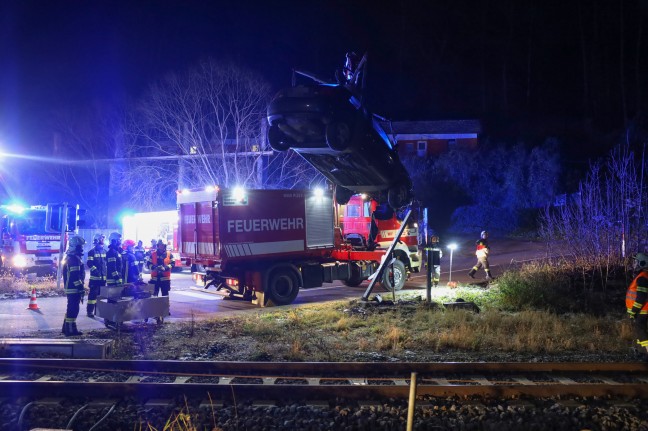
[(9, 284)]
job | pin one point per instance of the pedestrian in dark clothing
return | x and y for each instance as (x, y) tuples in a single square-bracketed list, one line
[(73, 278), (114, 260), (96, 263), (482, 250), (637, 302)]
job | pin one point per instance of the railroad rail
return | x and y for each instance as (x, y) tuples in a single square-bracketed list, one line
[(319, 380)]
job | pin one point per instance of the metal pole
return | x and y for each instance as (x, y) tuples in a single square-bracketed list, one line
[(428, 254), (61, 244), (411, 406), (450, 276)]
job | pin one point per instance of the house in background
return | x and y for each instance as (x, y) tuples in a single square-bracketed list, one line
[(431, 138)]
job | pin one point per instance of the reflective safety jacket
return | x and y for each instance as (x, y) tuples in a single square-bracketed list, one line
[(114, 267), (637, 294), (482, 248), (166, 260), (97, 265), (73, 274)]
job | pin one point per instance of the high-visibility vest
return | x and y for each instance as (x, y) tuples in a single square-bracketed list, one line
[(166, 275), (631, 294)]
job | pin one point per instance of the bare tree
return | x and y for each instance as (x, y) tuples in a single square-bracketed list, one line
[(203, 127)]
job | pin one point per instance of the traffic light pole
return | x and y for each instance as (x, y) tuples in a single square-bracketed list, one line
[(61, 245)]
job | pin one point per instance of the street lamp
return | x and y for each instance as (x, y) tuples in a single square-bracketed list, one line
[(452, 248)]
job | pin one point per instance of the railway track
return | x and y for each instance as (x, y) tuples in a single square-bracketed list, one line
[(36, 378)]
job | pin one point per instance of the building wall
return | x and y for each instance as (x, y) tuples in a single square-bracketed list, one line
[(433, 147)]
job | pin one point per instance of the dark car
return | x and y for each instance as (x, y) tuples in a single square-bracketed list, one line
[(329, 127)]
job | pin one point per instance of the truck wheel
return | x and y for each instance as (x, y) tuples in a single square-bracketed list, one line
[(278, 140), (282, 287), (356, 277), (342, 195), (338, 135), (398, 273)]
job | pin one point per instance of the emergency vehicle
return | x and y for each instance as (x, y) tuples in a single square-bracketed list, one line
[(27, 246), (264, 245)]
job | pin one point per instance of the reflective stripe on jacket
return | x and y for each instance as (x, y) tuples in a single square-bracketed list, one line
[(73, 275), (638, 285), (97, 264), (168, 262)]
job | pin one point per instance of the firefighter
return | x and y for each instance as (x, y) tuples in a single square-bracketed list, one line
[(161, 261), (437, 254), (114, 260), (73, 278), (482, 250), (130, 265), (96, 263), (140, 254), (637, 302)]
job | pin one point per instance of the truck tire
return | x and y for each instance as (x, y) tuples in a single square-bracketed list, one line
[(282, 287), (399, 276), (278, 139), (399, 196), (356, 276)]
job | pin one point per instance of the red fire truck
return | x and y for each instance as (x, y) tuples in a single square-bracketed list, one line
[(264, 245), (26, 244)]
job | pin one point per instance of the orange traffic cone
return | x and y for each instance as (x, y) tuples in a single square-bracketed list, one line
[(32, 301)]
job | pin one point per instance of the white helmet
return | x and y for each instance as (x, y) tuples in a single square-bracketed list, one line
[(114, 238), (75, 244), (483, 234), (641, 261), (98, 238)]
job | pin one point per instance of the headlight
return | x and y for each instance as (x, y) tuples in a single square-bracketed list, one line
[(19, 261)]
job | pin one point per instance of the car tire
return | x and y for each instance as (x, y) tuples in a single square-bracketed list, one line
[(399, 196), (278, 140), (342, 195), (338, 135)]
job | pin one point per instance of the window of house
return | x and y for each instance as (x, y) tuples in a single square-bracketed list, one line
[(421, 148)]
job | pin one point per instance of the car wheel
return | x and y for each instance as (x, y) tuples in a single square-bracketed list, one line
[(342, 195), (278, 140), (338, 135), (282, 287), (394, 275), (399, 196)]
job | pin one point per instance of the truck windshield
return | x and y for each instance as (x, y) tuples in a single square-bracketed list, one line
[(30, 223)]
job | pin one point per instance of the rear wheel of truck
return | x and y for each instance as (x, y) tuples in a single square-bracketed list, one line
[(282, 287), (338, 135), (395, 272), (356, 276)]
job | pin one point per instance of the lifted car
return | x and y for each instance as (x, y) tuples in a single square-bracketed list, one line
[(328, 125)]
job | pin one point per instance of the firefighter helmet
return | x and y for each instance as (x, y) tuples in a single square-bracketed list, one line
[(129, 243), (641, 261), (114, 238), (484, 234), (75, 244), (98, 238), (161, 243), (434, 239)]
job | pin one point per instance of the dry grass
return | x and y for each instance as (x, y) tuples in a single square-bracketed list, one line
[(11, 285)]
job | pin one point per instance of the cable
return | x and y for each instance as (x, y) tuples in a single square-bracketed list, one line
[(103, 418), (69, 425), (22, 415)]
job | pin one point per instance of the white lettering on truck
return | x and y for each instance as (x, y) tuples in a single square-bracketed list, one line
[(265, 224)]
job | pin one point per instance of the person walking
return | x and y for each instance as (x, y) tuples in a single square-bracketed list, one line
[(114, 260), (140, 253), (130, 266), (161, 262), (73, 278), (481, 251), (637, 302), (96, 263), (437, 254)]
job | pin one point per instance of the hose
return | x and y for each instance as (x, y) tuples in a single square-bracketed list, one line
[(22, 414), (69, 425), (103, 418)]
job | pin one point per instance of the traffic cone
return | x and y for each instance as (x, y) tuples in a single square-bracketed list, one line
[(32, 301)]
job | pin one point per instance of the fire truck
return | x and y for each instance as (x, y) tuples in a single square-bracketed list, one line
[(264, 245), (27, 246)]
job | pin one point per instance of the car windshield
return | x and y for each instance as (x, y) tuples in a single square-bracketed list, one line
[(30, 223)]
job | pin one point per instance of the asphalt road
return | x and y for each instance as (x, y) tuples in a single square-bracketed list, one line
[(188, 301)]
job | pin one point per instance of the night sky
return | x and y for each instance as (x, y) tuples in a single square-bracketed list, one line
[(526, 62)]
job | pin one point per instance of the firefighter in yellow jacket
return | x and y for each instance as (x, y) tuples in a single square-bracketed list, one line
[(161, 262), (73, 278), (637, 301), (481, 251)]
